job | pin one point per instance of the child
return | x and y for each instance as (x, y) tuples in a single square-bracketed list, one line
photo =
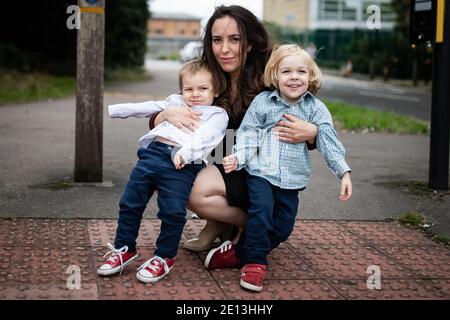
[(166, 155), (277, 170)]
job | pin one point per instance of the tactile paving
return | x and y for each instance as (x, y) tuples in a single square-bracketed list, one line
[(52, 233), (394, 289), (387, 233), (165, 289), (102, 232), (442, 285), (349, 262), (321, 232), (282, 290), (321, 260), (44, 265), (48, 292), (425, 262)]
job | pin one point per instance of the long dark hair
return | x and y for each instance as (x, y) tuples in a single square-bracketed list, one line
[(250, 81)]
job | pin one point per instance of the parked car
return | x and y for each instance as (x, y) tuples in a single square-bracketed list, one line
[(191, 50)]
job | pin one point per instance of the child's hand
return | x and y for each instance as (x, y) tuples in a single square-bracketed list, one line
[(178, 161), (230, 163), (346, 187)]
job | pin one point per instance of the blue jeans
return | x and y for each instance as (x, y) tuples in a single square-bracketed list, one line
[(270, 220), (155, 171)]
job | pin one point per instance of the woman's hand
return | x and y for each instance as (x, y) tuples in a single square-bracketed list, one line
[(230, 163), (346, 187), (295, 130), (183, 118)]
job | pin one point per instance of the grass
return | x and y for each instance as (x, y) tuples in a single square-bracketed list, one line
[(53, 186), (357, 118), (126, 74), (412, 218), (418, 221), (441, 239), (18, 87)]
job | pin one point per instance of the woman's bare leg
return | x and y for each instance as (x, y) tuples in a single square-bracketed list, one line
[(208, 198)]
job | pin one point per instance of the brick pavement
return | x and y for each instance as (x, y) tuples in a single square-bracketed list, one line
[(321, 260)]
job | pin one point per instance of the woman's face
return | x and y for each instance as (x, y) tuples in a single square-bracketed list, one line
[(226, 45)]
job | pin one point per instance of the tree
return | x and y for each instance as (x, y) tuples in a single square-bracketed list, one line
[(126, 33), (401, 9), (34, 35)]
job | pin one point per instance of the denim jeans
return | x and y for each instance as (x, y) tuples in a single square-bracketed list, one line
[(270, 220), (155, 171)]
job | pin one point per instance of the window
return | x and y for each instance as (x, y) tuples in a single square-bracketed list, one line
[(328, 9), (349, 10)]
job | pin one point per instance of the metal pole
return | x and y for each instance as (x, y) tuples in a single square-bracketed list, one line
[(89, 101), (440, 105)]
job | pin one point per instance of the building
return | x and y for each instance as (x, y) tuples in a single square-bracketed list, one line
[(169, 32), (170, 25), (302, 15)]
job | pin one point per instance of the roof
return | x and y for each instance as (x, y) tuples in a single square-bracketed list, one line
[(173, 16)]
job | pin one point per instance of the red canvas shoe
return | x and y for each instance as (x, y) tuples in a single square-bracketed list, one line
[(154, 269), (118, 260), (222, 257), (252, 276)]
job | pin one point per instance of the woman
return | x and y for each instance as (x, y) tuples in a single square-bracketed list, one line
[(236, 48)]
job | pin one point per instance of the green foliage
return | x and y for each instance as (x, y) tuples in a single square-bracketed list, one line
[(34, 35), (126, 33), (361, 118), (20, 87), (412, 218), (371, 51)]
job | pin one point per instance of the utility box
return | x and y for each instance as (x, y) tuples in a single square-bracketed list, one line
[(426, 21)]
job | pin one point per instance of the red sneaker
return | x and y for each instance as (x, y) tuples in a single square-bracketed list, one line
[(223, 256), (252, 276), (154, 269), (118, 260)]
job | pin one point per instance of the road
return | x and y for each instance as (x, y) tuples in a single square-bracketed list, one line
[(409, 101)]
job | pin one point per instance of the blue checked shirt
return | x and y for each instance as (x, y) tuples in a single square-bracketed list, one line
[(286, 165)]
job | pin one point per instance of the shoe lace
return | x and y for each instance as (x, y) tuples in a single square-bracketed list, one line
[(155, 264), (116, 253)]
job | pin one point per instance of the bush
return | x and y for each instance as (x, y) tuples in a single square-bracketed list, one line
[(34, 35)]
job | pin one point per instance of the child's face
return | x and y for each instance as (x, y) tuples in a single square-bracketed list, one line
[(293, 77), (197, 89)]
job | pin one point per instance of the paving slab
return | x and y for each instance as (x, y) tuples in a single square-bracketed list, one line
[(43, 259)]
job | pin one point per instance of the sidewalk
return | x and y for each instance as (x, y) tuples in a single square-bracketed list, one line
[(322, 260)]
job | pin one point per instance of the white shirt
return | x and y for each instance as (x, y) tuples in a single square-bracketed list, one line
[(194, 145)]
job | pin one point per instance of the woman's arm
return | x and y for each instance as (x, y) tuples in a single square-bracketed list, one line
[(180, 117), (295, 130), (152, 121)]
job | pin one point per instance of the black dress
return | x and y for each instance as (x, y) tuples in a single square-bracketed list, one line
[(235, 181)]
